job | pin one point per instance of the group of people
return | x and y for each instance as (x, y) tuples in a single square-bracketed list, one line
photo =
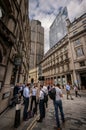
[(32, 96), (37, 97), (68, 91)]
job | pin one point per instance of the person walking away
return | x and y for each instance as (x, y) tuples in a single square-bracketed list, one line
[(33, 98), (68, 88), (26, 94), (41, 104), (76, 91), (58, 105), (45, 90)]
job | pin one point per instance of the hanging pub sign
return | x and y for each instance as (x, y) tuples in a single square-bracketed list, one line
[(18, 60)]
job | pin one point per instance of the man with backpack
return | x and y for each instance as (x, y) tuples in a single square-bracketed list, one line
[(58, 104), (52, 92)]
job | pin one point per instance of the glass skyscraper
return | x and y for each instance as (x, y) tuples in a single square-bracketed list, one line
[(58, 28)]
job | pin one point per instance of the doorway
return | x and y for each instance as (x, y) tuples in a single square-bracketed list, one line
[(83, 80)]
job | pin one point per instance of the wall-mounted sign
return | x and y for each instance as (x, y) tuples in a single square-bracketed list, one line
[(5, 95), (18, 60)]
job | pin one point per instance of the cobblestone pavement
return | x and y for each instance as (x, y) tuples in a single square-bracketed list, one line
[(75, 115), (8, 117)]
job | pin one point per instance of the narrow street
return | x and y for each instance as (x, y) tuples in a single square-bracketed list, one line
[(74, 110)]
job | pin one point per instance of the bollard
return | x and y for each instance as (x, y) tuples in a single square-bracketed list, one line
[(17, 115)]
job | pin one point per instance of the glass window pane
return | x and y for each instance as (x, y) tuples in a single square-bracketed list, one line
[(79, 52)]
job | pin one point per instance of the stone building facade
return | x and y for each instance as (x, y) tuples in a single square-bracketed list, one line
[(66, 61), (14, 47), (37, 49)]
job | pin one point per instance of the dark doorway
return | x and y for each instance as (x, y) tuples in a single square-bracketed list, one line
[(83, 80), (69, 78)]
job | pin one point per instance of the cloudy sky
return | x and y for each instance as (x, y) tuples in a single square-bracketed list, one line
[(46, 11)]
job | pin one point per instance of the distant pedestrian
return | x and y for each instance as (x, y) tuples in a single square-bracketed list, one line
[(45, 89), (58, 105), (76, 91), (16, 90), (68, 89), (26, 94), (41, 104), (33, 98)]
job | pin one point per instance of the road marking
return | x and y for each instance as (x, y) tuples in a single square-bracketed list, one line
[(32, 124)]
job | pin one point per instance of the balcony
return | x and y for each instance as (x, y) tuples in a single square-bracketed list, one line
[(6, 34)]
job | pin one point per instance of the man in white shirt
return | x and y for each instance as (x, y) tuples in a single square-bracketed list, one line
[(26, 94), (58, 104), (41, 104), (33, 98), (45, 89)]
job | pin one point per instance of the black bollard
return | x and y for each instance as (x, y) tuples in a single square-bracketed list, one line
[(17, 115)]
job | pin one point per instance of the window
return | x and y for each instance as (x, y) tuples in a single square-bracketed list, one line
[(84, 21), (85, 27), (0, 13), (61, 58), (79, 52), (65, 48), (73, 27), (82, 63), (75, 32), (77, 42)]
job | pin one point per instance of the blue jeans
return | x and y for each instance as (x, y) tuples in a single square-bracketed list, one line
[(58, 104)]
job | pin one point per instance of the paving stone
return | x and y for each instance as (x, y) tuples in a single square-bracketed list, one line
[(74, 110)]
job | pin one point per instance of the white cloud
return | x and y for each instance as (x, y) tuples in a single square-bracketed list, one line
[(76, 8), (45, 11)]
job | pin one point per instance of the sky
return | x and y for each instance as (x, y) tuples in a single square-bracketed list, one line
[(46, 11)]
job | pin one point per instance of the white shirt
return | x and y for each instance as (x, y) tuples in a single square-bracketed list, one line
[(34, 91), (26, 92), (67, 87), (58, 93), (45, 89), (41, 95)]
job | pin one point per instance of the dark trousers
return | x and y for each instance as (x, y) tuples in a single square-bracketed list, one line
[(58, 104), (33, 100), (42, 109), (77, 94), (26, 104)]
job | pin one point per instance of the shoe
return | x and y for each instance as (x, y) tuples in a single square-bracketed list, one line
[(59, 129), (56, 128), (39, 120), (25, 119)]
